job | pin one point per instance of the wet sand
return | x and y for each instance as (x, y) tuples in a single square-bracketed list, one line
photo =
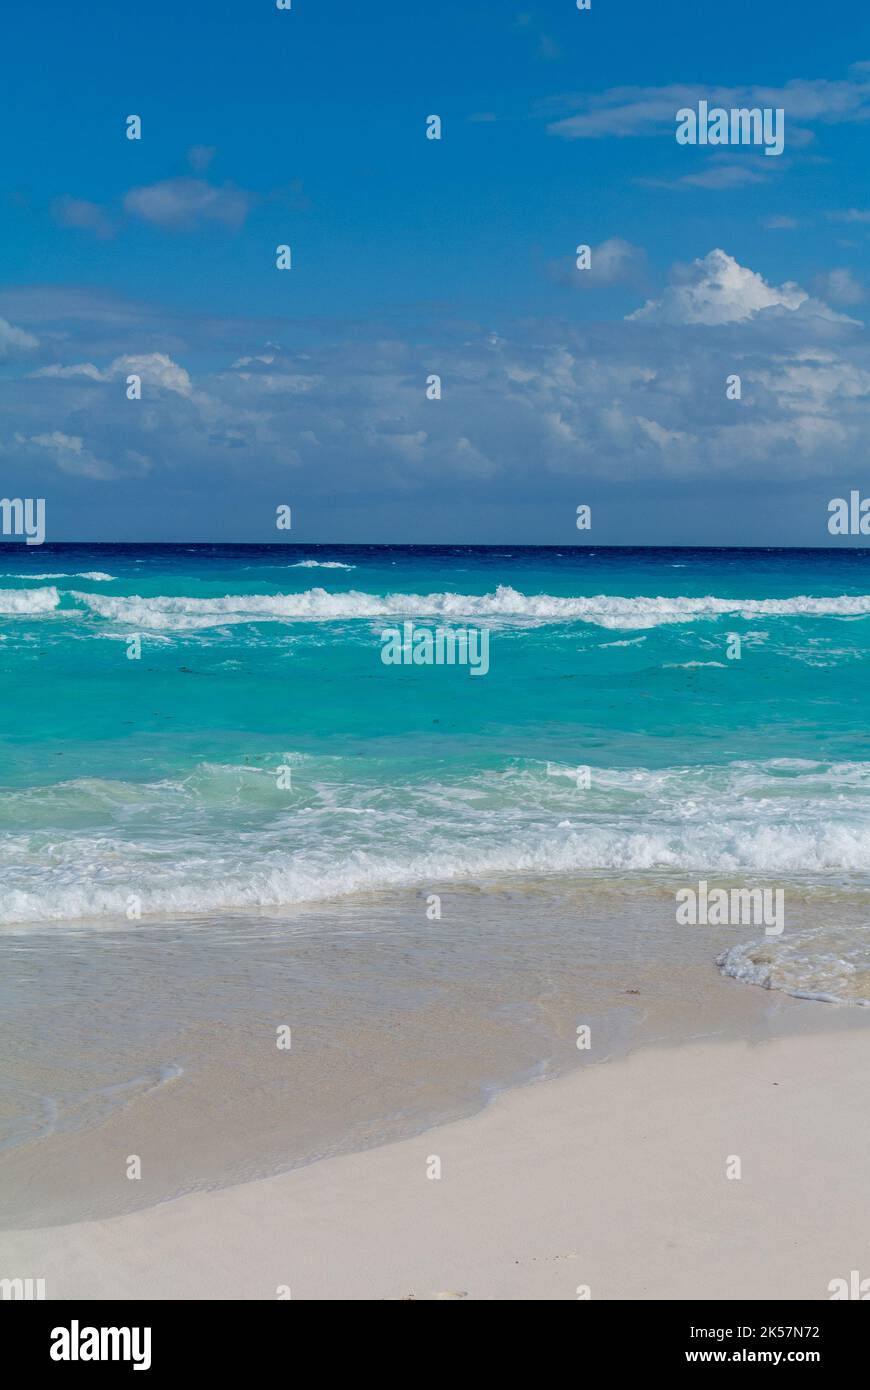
[(159, 1039)]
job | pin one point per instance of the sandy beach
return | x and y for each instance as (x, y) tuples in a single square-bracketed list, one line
[(613, 1178)]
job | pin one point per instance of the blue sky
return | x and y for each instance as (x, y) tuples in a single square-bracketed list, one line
[(413, 256)]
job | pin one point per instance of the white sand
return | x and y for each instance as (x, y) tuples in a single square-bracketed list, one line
[(613, 1177)]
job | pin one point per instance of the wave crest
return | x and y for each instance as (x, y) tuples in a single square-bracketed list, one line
[(27, 601), (504, 604)]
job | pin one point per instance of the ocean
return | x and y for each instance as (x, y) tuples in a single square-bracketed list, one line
[(247, 819)]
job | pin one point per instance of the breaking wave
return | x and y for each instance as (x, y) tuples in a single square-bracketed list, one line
[(25, 601), (226, 837), (504, 604)]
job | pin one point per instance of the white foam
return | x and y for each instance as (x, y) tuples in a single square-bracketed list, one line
[(66, 574), (321, 565), (25, 601), (65, 854), (821, 965), (505, 603)]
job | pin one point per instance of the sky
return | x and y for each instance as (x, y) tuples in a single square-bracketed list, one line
[(307, 387)]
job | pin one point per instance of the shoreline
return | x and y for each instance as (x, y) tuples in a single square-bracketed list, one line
[(400, 1027), (613, 1176)]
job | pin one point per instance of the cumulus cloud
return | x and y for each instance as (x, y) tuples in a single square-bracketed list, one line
[(611, 262), (840, 287), (525, 410), (69, 453), (184, 203), (718, 290), (154, 368), (815, 381)]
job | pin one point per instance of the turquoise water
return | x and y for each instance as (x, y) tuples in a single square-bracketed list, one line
[(159, 777)]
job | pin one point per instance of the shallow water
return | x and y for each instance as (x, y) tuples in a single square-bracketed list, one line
[(159, 1039)]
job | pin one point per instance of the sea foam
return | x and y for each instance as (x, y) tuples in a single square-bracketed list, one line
[(504, 604)]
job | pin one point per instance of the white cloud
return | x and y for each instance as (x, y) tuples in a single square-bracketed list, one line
[(665, 438), (718, 290), (720, 176), (840, 287), (70, 454), (611, 262), (86, 369), (292, 382), (14, 340), (817, 381), (627, 111), (611, 401), (155, 369), (183, 203)]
